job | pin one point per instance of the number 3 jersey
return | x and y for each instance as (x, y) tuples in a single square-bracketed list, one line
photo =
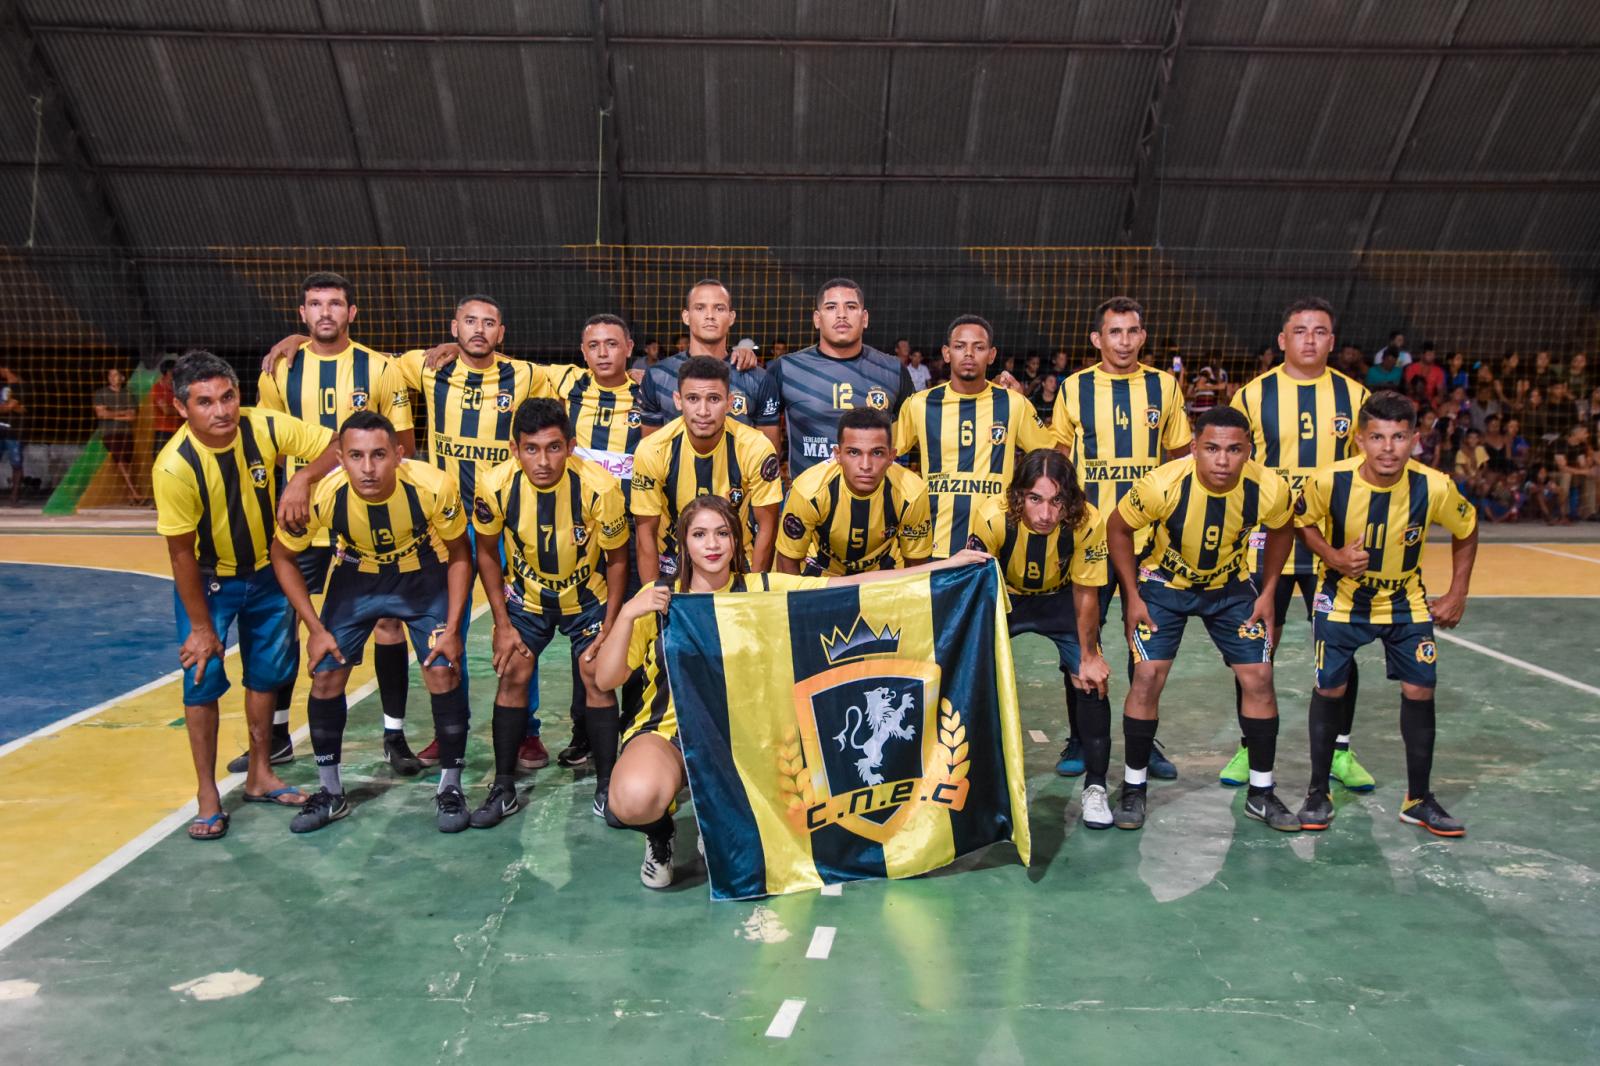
[(1392, 525)]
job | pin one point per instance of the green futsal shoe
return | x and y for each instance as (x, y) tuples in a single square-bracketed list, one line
[(1237, 772), (1351, 774)]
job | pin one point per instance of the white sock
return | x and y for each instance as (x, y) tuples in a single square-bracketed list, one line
[(1342, 738), (1131, 776), (280, 716), (1260, 778), (393, 723)]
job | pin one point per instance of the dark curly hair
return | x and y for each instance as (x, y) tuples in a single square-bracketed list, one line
[(1046, 462)]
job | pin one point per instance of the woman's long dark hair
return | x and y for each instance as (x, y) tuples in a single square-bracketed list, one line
[(1046, 462), (725, 511)]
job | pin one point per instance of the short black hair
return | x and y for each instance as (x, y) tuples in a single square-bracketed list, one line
[(868, 418), (480, 298), (197, 365), (537, 415), (167, 364), (1387, 406), (841, 283), (1311, 303), (608, 319), (702, 283), (703, 368), (1118, 305), (969, 320), (1222, 418), (327, 279), (366, 420)]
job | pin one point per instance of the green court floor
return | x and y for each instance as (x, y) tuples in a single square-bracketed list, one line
[(1205, 938)]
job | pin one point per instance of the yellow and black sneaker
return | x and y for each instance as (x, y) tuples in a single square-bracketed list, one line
[(1427, 813)]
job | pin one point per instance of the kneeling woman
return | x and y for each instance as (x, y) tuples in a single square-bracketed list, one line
[(1051, 545), (650, 771)]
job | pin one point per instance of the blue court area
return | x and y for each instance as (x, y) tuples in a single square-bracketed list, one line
[(73, 638)]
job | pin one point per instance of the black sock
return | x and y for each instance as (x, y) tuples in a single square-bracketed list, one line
[(1323, 725), (1072, 709), (1138, 737), (1261, 739), (1238, 710), (1094, 716), (1347, 709), (660, 827), (326, 716), (450, 721), (391, 665), (1416, 729), (603, 726), (507, 727), (280, 730)]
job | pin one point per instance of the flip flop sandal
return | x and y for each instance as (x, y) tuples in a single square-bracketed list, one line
[(220, 818), (273, 796)]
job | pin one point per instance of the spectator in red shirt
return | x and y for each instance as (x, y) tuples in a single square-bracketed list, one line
[(1428, 369), (164, 420)]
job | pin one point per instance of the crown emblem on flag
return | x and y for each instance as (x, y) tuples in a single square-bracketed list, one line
[(860, 643)]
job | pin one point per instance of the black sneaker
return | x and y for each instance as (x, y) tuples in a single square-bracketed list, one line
[(453, 816), (503, 802), (281, 754), (1268, 808), (601, 798), (1427, 813), (1316, 813), (320, 810), (1160, 766), (400, 755), (574, 754), (1129, 812)]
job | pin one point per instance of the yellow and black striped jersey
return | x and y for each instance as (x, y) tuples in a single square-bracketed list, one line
[(655, 712), (966, 448), (228, 496), (825, 521), (1118, 427), (470, 410), (605, 421), (742, 468), (1202, 538), (555, 538), (1035, 563), (1392, 525), (327, 389), (399, 534), (1300, 426)]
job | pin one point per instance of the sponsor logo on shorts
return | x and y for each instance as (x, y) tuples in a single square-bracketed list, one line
[(1427, 652), (1341, 425), (769, 468), (358, 399), (1258, 538), (1142, 631), (1253, 631), (590, 630), (433, 637), (793, 528)]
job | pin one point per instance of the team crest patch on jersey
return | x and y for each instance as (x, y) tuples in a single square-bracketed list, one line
[(878, 399), (997, 433), (736, 497), (889, 532), (1341, 426), (580, 535), (1427, 652), (1463, 508), (634, 421), (740, 405), (1133, 499), (449, 511), (613, 529), (502, 401), (1152, 417), (1300, 504), (793, 528), (1413, 536), (358, 399), (1253, 631), (480, 510), (769, 468), (258, 474)]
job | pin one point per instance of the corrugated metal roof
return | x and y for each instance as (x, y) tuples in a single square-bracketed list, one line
[(176, 14)]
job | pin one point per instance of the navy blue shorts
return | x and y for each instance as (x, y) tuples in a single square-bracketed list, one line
[(1224, 612), (538, 630), (313, 564), (1408, 650), (357, 602), (1049, 614), (266, 634)]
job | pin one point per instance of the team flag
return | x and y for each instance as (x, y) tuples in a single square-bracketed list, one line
[(839, 734)]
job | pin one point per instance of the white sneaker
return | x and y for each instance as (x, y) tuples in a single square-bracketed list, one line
[(1096, 811), (656, 870)]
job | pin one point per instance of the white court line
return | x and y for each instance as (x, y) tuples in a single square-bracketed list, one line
[(833, 890), (783, 1022), (1514, 661), (821, 942), (1564, 555), (1039, 736)]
